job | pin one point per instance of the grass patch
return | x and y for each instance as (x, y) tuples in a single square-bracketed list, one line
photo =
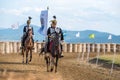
[(109, 59)]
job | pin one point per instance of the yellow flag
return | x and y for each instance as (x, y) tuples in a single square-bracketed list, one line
[(92, 36)]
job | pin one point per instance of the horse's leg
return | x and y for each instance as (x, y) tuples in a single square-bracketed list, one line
[(52, 63), (23, 55), (52, 55), (47, 62), (27, 56), (56, 63), (30, 55)]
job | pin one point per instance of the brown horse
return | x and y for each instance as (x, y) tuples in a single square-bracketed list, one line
[(28, 46), (53, 56)]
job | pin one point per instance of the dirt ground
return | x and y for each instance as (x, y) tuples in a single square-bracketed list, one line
[(70, 67)]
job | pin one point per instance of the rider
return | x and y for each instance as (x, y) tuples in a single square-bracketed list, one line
[(52, 30), (25, 30)]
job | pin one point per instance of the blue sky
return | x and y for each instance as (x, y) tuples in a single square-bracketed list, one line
[(100, 15)]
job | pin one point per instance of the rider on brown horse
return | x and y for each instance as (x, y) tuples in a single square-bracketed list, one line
[(25, 32)]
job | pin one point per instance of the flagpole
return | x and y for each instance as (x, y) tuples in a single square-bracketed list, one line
[(82, 58), (78, 58), (98, 53), (88, 54), (47, 7), (113, 61), (46, 38)]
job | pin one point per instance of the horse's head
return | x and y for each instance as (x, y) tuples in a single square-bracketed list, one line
[(28, 41), (30, 32)]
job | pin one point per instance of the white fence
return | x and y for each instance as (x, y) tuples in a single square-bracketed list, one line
[(14, 47)]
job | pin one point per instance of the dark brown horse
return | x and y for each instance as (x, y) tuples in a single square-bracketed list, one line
[(28, 46), (53, 56)]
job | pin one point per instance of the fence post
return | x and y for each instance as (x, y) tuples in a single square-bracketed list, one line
[(79, 48), (93, 47), (114, 48), (7, 47), (3, 47), (35, 46), (10, 47), (15, 47), (103, 48), (83, 51), (84, 47), (70, 47), (64, 47), (75, 47), (108, 47), (88, 52)]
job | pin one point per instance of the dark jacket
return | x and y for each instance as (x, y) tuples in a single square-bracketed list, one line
[(60, 32), (25, 29)]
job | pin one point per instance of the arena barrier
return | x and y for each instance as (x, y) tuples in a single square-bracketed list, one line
[(14, 47)]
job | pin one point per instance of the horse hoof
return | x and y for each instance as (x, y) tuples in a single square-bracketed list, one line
[(51, 70), (26, 62), (55, 71), (29, 60)]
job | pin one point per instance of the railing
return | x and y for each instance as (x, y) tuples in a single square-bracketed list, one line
[(14, 47)]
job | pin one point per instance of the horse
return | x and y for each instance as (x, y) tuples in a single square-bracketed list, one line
[(53, 55), (28, 46)]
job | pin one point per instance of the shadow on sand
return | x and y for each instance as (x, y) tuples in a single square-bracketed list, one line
[(104, 63), (11, 63)]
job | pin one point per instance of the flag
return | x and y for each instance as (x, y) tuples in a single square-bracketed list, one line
[(92, 36), (110, 37), (78, 34), (43, 20), (15, 26)]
